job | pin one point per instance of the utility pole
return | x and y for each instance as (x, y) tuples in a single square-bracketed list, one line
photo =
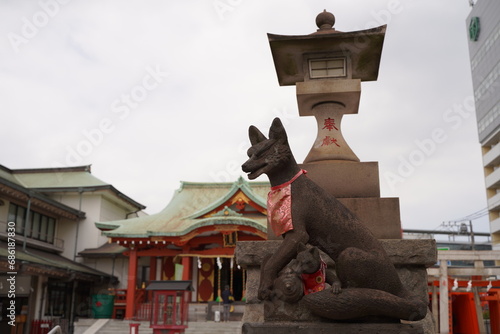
[(471, 235)]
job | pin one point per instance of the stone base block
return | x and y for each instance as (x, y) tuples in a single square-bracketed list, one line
[(418, 252), (410, 257), (345, 178), (326, 328), (254, 313), (380, 215)]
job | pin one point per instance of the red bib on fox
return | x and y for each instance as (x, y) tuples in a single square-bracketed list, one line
[(315, 282), (279, 206)]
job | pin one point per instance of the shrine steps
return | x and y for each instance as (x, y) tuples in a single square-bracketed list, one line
[(211, 327), (113, 326)]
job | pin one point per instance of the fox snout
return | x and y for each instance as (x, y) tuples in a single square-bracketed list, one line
[(266, 154), (254, 167)]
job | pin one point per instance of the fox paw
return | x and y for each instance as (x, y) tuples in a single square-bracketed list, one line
[(336, 288), (265, 291), (265, 294)]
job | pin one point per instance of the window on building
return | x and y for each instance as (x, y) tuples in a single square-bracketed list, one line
[(57, 298), (41, 227), (51, 224), (35, 225), (327, 68)]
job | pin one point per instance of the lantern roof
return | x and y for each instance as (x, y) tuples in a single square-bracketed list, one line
[(364, 47)]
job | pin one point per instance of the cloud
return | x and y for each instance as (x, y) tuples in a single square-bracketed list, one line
[(62, 84)]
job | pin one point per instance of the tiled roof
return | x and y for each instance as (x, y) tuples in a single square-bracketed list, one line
[(64, 179), (192, 207), (51, 262)]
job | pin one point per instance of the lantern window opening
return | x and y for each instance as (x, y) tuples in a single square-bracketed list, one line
[(327, 68)]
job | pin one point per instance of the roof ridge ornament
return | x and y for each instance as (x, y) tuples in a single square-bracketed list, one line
[(325, 21), (241, 181), (227, 212)]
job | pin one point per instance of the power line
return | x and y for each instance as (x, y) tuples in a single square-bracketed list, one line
[(474, 216)]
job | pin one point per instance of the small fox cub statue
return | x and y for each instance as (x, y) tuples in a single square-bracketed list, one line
[(309, 272), (302, 212)]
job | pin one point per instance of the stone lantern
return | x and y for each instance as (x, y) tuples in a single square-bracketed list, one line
[(327, 68)]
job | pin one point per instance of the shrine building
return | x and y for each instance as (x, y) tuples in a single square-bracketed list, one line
[(192, 238)]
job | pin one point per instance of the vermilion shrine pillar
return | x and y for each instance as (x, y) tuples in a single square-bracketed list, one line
[(186, 265), (131, 284)]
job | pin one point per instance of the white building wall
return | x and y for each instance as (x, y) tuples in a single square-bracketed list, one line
[(111, 211), (86, 235), (66, 231), (97, 209), (119, 269)]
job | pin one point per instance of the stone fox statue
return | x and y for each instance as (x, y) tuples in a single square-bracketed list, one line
[(302, 212), (308, 273)]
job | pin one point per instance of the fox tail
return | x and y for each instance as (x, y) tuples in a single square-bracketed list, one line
[(353, 303)]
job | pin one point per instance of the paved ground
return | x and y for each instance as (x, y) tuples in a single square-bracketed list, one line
[(201, 327)]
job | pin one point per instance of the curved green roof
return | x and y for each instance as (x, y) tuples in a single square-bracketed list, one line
[(188, 207), (240, 184)]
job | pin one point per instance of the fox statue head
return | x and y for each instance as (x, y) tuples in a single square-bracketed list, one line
[(271, 156), (308, 259)]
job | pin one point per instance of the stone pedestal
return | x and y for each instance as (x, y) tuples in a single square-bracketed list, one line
[(327, 328), (345, 179), (356, 185), (410, 257)]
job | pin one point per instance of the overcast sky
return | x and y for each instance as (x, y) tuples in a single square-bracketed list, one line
[(152, 93)]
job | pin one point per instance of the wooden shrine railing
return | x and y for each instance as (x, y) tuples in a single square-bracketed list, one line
[(143, 311), (141, 302)]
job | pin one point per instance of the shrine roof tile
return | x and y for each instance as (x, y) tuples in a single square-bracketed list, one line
[(50, 261), (64, 179), (183, 214)]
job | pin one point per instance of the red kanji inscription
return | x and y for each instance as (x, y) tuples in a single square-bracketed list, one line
[(329, 141), (329, 124)]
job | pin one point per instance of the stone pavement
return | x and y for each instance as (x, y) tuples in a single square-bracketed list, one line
[(122, 327)]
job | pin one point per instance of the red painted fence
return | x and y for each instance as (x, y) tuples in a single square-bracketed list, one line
[(41, 326)]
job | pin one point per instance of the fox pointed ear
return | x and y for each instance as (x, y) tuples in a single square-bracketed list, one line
[(314, 251), (301, 247), (255, 135), (277, 131)]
